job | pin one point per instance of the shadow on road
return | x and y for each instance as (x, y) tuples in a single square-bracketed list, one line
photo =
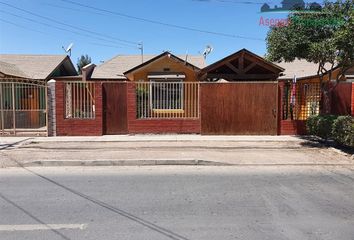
[(143, 222), (34, 217), (4, 146)]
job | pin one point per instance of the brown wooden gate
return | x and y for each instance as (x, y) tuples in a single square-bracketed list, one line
[(115, 108), (245, 108)]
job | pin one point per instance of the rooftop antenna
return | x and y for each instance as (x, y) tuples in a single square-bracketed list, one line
[(208, 49), (68, 49), (186, 59), (141, 47)]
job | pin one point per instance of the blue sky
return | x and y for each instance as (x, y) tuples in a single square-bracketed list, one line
[(41, 36)]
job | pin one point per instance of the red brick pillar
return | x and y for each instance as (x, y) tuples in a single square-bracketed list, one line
[(281, 85), (352, 108), (131, 104)]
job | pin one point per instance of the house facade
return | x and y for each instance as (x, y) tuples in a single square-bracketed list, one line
[(240, 94), (24, 93)]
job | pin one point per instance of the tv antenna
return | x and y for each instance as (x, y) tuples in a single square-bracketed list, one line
[(141, 48), (208, 49), (68, 49)]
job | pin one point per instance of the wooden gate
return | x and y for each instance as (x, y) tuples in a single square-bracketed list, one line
[(115, 108), (244, 108)]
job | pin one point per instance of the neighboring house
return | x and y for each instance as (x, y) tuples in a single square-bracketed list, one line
[(305, 99), (36, 67), (23, 90)]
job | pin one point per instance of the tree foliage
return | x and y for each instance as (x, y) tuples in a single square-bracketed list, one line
[(82, 62), (325, 36)]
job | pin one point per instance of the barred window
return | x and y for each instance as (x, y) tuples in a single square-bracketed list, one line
[(162, 99), (166, 95), (80, 100)]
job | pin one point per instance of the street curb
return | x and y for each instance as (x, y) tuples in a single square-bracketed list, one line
[(92, 163), (108, 163)]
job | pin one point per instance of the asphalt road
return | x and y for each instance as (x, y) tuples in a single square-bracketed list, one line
[(171, 202)]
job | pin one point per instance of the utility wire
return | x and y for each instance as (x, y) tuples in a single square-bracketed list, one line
[(62, 29), (20, 26), (104, 45), (160, 23), (69, 25), (44, 33), (230, 1)]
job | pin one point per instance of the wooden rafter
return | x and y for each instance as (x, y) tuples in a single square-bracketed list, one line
[(233, 68), (241, 71)]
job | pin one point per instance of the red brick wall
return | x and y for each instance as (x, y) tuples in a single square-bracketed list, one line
[(353, 99), (288, 127), (292, 127), (156, 125), (77, 127)]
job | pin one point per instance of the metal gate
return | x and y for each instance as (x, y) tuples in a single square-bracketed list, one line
[(23, 108)]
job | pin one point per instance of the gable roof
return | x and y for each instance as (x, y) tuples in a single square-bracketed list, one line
[(235, 55), (299, 67), (170, 55), (11, 70), (117, 66), (35, 66)]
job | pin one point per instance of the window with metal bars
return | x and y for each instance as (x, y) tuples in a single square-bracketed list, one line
[(80, 100), (166, 95), (161, 99)]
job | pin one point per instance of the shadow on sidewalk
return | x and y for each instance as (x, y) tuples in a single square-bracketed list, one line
[(316, 142)]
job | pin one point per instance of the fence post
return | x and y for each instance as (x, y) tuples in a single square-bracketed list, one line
[(2, 110), (51, 109), (13, 108)]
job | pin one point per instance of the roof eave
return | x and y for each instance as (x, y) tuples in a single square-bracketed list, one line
[(158, 57)]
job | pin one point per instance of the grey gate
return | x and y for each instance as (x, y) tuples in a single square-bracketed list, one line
[(23, 108)]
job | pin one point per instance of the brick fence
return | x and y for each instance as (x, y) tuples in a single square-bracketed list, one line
[(77, 127), (94, 127)]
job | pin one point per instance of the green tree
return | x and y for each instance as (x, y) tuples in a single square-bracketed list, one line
[(324, 37), (82, 62)]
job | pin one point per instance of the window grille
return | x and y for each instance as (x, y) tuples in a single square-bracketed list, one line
[(161, 99), (80, 100), (305, 103)]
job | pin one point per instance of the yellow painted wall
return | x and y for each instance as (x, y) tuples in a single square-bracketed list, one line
[(158, 66)]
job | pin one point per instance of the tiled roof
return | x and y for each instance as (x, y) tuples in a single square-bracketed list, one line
[(115, 68), (33, 66)]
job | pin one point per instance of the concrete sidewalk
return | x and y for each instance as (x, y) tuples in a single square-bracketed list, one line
[(167, 150), (151, 138)]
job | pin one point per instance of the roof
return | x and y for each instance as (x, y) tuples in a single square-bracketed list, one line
[(34, 66), (11, 70), (117, 66), (164, 54), (299, 67), (236, 54)]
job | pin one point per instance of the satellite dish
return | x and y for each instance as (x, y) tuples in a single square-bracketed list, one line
[(68, 49), (208, 49)]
